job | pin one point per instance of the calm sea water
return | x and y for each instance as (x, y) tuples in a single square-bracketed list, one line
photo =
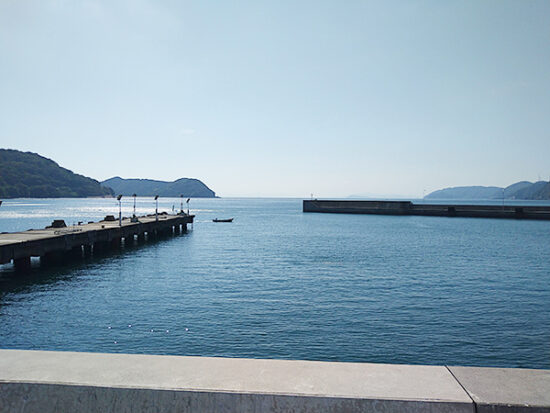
[(277, 283)]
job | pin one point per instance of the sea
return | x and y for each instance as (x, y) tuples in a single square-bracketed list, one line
[(278, 283)]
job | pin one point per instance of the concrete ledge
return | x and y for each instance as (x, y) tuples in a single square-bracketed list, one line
[(41, 381), (506, 390)]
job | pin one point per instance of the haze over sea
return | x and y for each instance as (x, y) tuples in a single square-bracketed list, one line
[(278, 283)]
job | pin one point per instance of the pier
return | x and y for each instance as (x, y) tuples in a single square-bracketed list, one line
[(439, 210), (60, 242)]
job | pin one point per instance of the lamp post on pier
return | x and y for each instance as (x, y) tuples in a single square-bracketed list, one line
[(188, 199), (156, 208), (134, 218), (181, 204), (118, 198)]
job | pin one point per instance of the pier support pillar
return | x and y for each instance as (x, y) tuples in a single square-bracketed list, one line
[(141, 238), (76, 252), (22, 264), (87, 250), (115, 243), (52, 258), (162, 232), (129, 240), (177, 229), (100, 247)]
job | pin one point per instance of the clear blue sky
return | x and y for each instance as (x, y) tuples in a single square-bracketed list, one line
[(282, 98)]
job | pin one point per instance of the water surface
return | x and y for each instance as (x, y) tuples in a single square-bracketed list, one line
[(277, 283)]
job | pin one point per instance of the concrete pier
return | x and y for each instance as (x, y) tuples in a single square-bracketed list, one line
[(44, 382), (58, 244), (440, 210)]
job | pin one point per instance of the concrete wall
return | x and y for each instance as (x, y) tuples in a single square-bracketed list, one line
[(40, 381), (358, 207), (408, 208)]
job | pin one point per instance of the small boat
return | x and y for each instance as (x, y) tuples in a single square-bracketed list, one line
[(223, 220)]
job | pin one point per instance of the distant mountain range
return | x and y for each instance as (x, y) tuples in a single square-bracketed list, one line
[(520, 190), (29, 175), (191, 188)]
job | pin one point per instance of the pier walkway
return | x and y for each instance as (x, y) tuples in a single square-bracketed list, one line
[(54, 244)]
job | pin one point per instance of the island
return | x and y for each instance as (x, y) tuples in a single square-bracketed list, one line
[(523, 190), (29, 175), (188, 187)]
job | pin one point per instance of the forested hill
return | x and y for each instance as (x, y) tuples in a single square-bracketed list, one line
[(187, 187), (29, 175), (520, 190)]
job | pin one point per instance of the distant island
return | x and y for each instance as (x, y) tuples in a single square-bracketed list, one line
[(520, 190), (29, 175), (188, 187)]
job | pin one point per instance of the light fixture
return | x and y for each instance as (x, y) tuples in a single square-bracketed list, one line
[(118, 198)]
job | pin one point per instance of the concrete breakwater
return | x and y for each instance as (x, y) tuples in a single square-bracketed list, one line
[(58, 242), (44, 381), (442, 210)]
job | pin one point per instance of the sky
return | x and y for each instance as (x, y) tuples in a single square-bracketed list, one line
[(282, 98)]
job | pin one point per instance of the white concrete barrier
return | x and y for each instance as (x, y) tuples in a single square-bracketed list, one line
[(43, 381)]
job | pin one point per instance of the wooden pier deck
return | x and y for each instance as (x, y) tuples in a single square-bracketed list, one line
[(79, 240)]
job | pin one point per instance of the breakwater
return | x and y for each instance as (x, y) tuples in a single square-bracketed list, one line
[(59, 242), (441, 210), (45, 381)]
